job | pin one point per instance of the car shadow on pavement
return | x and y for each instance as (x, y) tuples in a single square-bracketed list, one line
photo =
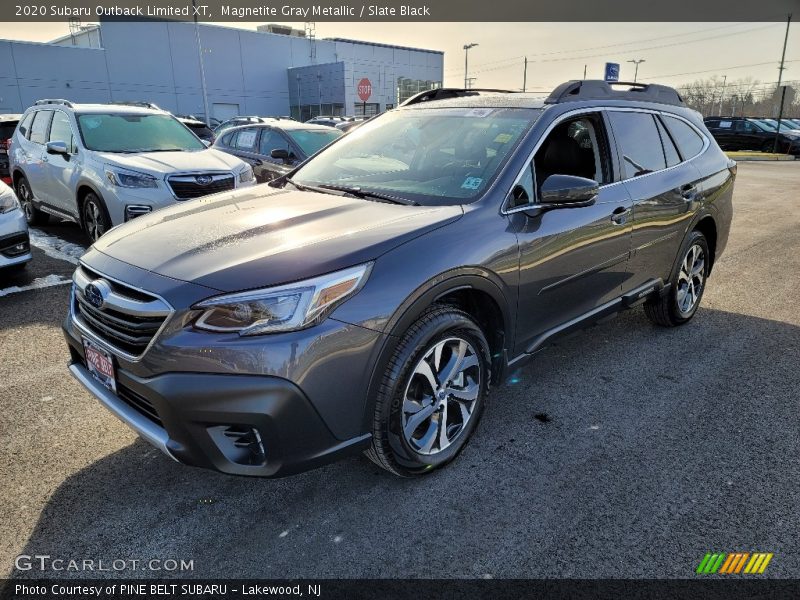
[(613, 449)]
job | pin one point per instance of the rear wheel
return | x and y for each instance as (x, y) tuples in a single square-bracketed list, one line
[(688, 285), (432, 395), (94, 217), (32, 214), (768, 146)]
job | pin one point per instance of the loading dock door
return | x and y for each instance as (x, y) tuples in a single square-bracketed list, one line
[(224, 111)]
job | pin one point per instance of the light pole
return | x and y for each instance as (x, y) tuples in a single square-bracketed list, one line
[(722, 95), (299, 103), (466, 61), (202, 69), (319, 92), (637, 62)]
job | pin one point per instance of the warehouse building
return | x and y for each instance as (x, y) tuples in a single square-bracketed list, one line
[(271, 72)]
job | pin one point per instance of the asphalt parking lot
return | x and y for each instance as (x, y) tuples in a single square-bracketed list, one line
[(625, 451)]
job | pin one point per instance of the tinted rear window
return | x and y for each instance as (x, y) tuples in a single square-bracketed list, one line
[(639, 142), (687, 139), (7, 129)]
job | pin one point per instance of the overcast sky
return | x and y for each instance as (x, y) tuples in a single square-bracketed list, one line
[(674, 53)]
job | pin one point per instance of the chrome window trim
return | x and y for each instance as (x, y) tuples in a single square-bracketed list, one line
[(167, 313), (598, 109)]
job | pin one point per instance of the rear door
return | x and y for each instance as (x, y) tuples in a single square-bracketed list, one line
[(662, 185), (34, 158)]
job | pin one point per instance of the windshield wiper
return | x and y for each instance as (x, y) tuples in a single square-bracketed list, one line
[(358, 192)]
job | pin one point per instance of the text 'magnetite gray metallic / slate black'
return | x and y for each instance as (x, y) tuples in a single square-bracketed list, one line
[(370, 298)]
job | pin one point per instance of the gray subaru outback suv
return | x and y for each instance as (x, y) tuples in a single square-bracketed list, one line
[(368, 300)]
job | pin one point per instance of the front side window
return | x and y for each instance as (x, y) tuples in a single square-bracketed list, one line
[(577, 147), (686, 138), (39, 126), (433, 156), (136, 133), (272, 140), (639, 142), (61, 131)]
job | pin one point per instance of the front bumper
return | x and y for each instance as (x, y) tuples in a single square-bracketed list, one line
[(14, 241), (238, 424)]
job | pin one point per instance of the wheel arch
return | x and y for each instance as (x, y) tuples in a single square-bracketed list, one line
[(478, 292), (708, 227)]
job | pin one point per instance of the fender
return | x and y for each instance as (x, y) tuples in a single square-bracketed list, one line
[(701, 214), (428, 293)]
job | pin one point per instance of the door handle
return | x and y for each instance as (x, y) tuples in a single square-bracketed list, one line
[(688, 191), (620, 215)]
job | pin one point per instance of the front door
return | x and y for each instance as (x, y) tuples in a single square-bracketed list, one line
[(572, 260)]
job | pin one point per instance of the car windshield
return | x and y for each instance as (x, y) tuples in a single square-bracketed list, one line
[(313, 140), (764, 126), (432, 156), (136, 133), (785, 124)]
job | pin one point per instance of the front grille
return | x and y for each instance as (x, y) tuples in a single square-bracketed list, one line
[(186, 187), (128, 319), (139, 403), (15, 245)]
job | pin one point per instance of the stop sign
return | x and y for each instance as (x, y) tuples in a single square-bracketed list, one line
[(364, 89)]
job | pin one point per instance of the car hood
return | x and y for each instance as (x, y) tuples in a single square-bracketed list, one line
[(165, 163), (262, 236)]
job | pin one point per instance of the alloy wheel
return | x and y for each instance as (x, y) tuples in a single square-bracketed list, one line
[(26, 200), (691, 278), (93, 220), (441, 396)]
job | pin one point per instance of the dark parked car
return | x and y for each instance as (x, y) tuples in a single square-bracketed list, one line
[(237, 122), (199, 128), (273, 149), (370, 299), (744, 133), (8, 123)]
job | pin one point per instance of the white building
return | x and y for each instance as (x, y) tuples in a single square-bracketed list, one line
[(272, 72)]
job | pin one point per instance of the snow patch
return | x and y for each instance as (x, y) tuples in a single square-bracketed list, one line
[(55, 247), (36, 284)]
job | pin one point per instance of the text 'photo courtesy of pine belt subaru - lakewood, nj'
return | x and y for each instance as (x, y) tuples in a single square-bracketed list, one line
[(368, 300), (103, 164)]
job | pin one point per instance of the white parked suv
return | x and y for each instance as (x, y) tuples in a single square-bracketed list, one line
[(103, 164)]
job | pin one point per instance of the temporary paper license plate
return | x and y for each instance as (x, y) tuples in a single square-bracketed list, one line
[(100, 365)]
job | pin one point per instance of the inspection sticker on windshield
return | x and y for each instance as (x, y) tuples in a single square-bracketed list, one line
[(471, 183), (503, 138)]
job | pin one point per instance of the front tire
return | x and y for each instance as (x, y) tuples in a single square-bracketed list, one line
[(432, 394), (32, 214), (94, 217), (688, 285)]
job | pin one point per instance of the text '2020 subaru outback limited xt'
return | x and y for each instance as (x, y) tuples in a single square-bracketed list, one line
[(369, 299)]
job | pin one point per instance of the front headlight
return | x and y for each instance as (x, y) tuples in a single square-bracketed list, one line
[(8, 201), (284, 308), (129, 179), (246, 175)]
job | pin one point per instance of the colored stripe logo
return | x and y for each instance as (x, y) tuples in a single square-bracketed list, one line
[(734, 563)]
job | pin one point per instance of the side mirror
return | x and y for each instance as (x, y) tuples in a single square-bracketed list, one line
[(568, 191), (280, 154), (57, 148)]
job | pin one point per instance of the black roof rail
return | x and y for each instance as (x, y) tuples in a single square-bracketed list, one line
[(595, 89), (150, 105), (53, 101), (445, 93)]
